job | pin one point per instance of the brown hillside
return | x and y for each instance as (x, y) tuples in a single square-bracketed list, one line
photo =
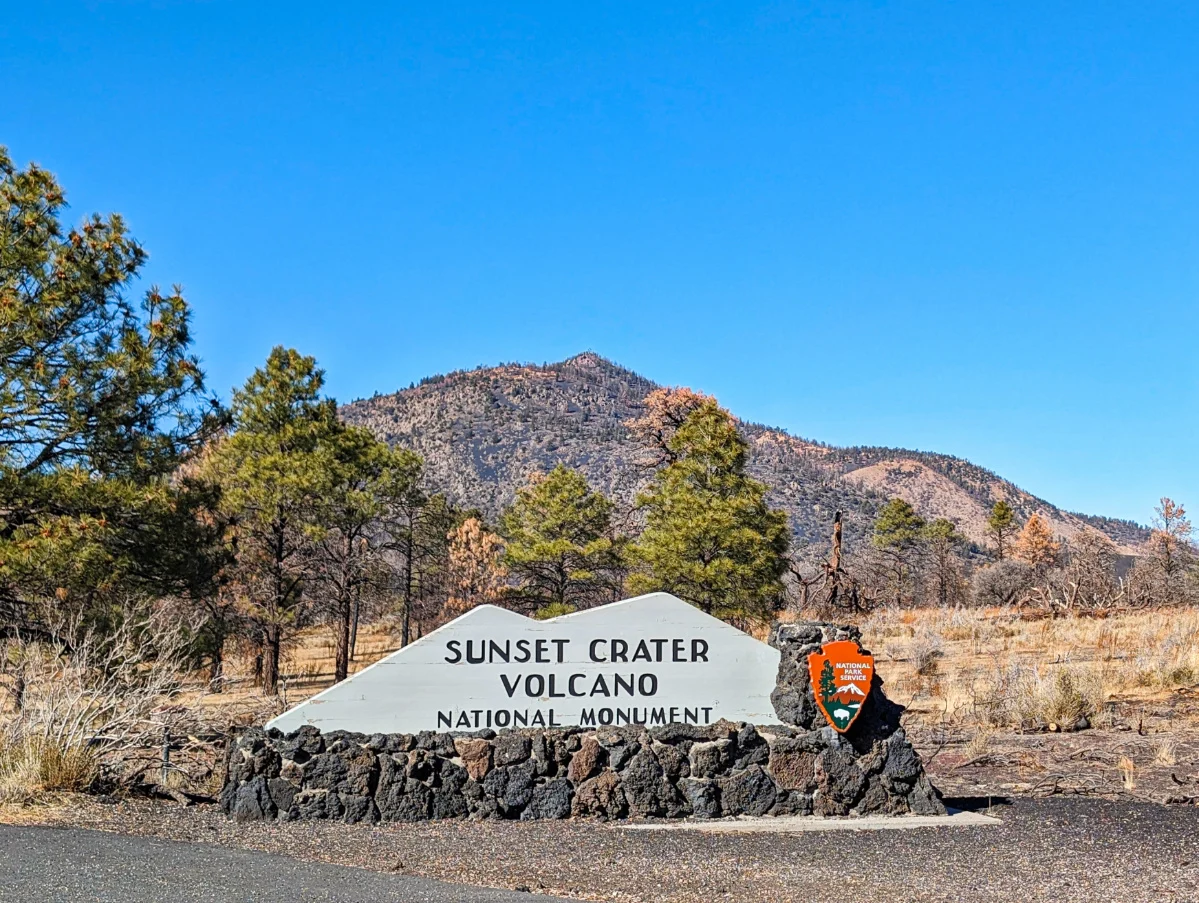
[(484, 432)]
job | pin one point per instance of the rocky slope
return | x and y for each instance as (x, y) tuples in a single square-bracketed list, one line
[(484, 432)]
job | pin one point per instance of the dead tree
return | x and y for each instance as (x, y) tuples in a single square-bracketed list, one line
[(839, 589)]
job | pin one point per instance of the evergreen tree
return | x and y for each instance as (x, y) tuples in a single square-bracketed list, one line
[(943, 540), (431, 557), (828, 683), (1171, 552), (365, 476), (897, 534), (559, 544), (710, 536), (101, 400), (1001, 526), (898, 525), (417, 527), (476, 576), (275, 472)]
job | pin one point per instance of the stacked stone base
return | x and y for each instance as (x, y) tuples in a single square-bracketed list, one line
[(675, 771)]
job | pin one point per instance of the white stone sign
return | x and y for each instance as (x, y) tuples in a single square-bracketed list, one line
[(650, 660)]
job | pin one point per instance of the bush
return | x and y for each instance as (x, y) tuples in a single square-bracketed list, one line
[(35, 766), (926, 652), (554, 610), (94, 708), (1021, 697), (1002, 583)]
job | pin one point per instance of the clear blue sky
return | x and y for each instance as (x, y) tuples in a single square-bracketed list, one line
[(944, 226)]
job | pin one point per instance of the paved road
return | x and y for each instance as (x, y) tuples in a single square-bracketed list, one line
[(55, 865)]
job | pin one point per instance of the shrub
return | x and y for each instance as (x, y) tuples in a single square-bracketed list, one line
[(1021, 697), (34, 766), (92, 707), (554, 610), (926, 651)]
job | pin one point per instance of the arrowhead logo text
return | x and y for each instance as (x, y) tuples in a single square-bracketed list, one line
[(841, 675)]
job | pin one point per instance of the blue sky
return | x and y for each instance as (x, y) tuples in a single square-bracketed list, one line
[(968, 228)]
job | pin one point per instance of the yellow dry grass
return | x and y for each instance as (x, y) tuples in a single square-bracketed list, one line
[(32, 768), (985, 667), (306, 669), (996, 668)]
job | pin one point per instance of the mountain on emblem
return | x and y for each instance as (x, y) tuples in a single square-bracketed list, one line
[(839, 671)]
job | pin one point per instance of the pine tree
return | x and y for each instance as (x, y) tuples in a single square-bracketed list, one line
[(1170, 541), (897, 534), (275, 472), (828, 682), (101, 401), (943, 540), (1001, 525), (710, 537), (1171, 551), (364, 477), (559, 544), (665, 410), (476, 576)]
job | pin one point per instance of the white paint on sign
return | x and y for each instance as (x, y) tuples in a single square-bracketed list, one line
[(653, 659)]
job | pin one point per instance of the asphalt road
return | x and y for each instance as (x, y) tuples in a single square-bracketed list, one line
[(57, 865), (1057, 850)]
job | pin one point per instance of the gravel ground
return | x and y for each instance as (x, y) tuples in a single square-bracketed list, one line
[(1059, 849), (107, 868)]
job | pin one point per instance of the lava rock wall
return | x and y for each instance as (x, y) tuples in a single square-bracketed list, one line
[(711, 771)]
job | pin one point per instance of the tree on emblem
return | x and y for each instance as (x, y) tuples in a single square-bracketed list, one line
[(828, 683)]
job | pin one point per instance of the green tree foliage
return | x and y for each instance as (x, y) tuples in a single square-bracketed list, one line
[(427, 560), (365, 478), (100, 401), (898, 526), (898, 531), (559, 543), (276, 472), (943, 541), (828, 683), (416, 526), (1002, 526), (710, 537)]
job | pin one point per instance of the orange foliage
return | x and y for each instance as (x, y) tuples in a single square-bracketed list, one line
[(475, 574), (665, 411), (1036, 546)]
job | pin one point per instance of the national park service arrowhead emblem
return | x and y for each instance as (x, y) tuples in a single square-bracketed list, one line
[(841, 676)]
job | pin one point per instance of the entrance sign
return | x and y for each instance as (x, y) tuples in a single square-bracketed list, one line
[(650, 660), (841, 675)]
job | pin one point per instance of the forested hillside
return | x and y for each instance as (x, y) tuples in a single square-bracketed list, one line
[(483, 432)]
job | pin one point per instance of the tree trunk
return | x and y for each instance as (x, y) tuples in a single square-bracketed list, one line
[(341, 665), (406, 631), (18, 693), (270, 658), (217, 668), (354, 621)]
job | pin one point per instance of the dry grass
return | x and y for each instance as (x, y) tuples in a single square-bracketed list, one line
[(31, 768), (1167, 752), (996, 669), (986, 668), (1128, 773)]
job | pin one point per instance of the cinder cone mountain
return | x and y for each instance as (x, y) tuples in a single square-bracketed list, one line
[(484, 432)]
